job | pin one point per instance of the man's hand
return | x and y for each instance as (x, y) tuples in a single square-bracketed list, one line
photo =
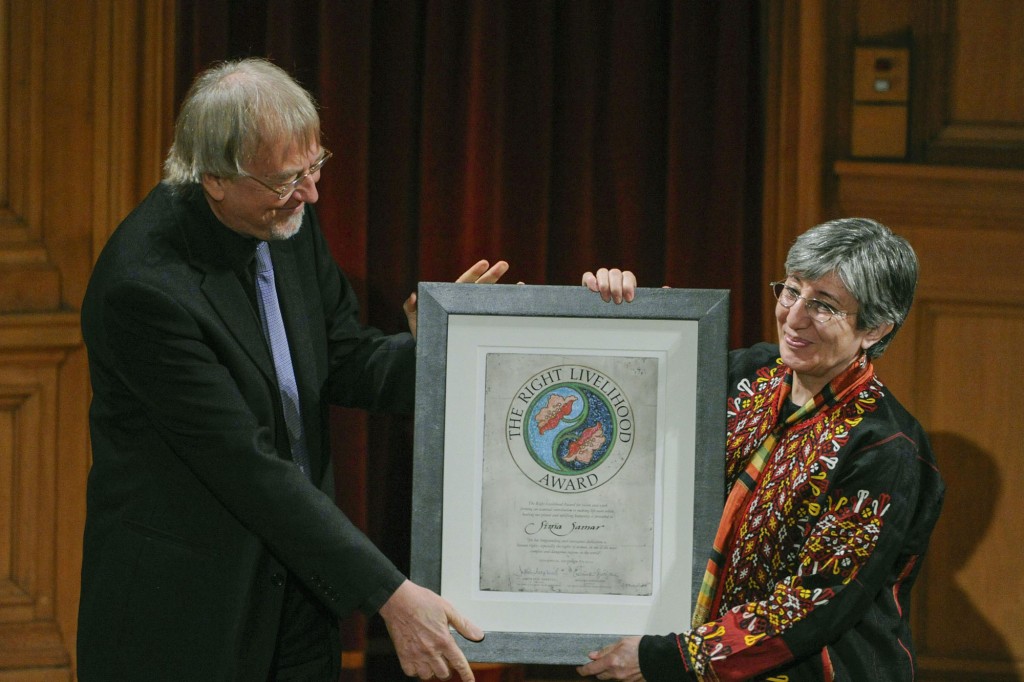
[(482, 272), (417, 621), (613, 285), (618, 661)]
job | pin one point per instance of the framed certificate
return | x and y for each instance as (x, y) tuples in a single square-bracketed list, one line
[(569, 453)]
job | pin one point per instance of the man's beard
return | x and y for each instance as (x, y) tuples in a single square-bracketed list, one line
[(287, 229)]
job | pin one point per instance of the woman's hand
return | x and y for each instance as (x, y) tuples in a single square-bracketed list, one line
[(613, 285), (618, 661)]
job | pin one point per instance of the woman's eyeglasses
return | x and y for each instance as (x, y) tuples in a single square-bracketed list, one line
[(818, 310)]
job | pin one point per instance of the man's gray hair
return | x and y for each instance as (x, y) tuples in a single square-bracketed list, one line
[(229, 112), (876, 266)]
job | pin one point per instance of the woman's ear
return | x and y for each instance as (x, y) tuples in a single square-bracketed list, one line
[(876, 334)]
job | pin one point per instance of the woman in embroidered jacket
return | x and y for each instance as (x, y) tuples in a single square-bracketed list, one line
[(832, 486)]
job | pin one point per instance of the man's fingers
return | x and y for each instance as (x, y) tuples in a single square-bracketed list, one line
[(461, 666), (409, 669), (493, 274), (483, 272), (418, 621), (474, 272), (469, 630), (439, 668), (409, 308), (465, 626)]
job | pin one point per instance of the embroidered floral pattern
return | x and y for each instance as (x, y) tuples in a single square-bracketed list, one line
[(796, 538), (791, 498)]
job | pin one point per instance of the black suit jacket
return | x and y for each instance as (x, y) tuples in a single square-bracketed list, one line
[(195, 512)]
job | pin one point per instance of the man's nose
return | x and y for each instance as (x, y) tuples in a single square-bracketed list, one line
[(306, 190)]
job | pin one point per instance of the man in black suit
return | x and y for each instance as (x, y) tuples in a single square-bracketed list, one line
[(213, 547)]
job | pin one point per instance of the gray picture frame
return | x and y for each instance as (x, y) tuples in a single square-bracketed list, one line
[(437, 302)]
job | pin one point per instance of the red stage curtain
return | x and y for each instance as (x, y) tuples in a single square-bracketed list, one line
[(558, 135)]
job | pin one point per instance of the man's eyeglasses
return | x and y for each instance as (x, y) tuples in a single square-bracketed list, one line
[(818, 310), (285, 190)]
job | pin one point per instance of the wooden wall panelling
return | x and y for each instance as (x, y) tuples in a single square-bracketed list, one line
[(28, 280), (955, 366), (969, 96), (967, 87), (134, 107), (32, 619), (956, 362), (794, 130), (34, 342), (85, 108)]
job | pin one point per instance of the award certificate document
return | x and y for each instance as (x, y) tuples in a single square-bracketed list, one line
[(568, 481), (567, 470)]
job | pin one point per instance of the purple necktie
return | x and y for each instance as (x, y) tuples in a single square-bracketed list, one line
[(277, 339)]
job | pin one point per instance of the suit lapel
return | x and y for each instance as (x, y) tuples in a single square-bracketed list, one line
[(228, 298), (224, 291), (219, 282)]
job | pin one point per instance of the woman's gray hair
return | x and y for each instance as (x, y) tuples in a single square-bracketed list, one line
[(229, 112), (876, 266)]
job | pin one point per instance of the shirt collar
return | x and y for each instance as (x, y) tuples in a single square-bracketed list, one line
[(237, 250)]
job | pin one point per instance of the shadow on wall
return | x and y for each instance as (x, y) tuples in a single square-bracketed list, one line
[(955, 627)]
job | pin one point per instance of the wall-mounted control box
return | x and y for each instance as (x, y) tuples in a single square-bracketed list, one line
[(881, 92)]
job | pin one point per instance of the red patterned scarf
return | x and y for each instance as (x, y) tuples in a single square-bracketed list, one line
[(850, 379)]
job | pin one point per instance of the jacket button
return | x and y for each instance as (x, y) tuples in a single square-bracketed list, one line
[(277, 579)]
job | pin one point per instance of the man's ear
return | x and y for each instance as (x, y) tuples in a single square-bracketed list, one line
[(876, 334), (214, 186)]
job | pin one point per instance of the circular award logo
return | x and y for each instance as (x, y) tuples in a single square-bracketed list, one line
[(569, 428)]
